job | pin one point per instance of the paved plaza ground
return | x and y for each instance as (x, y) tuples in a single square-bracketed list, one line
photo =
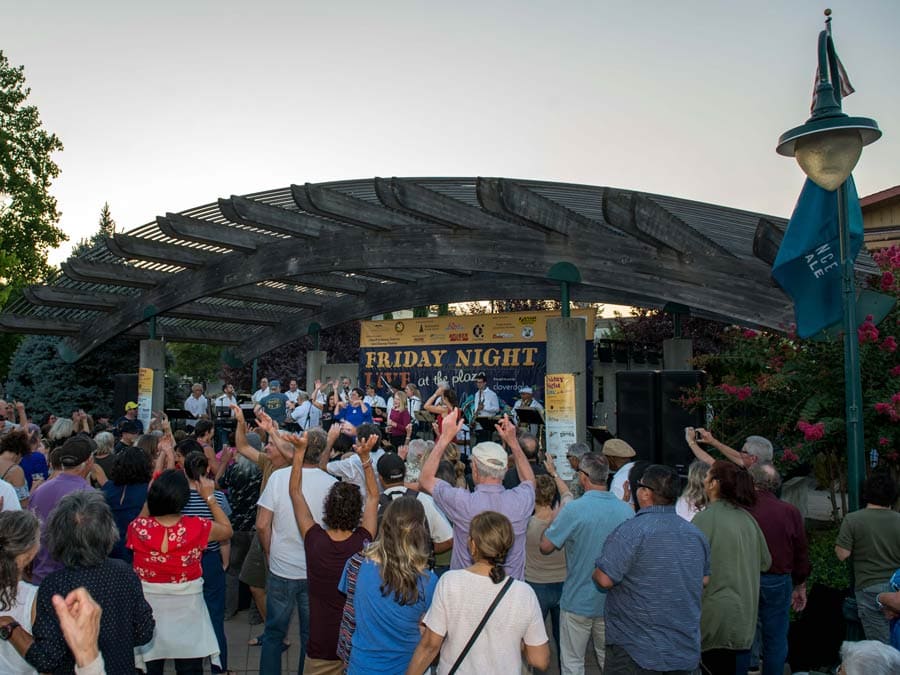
[(244, 659)]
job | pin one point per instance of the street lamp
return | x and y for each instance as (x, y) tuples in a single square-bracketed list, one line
[(827, 148)]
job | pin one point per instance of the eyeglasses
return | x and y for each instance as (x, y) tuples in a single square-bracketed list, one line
[(641, 485)]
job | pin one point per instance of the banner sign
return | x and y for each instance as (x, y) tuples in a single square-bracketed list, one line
[(145, 395), (559, 415), (510, 349)]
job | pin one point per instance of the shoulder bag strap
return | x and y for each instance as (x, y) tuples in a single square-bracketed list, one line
[(484, 620)]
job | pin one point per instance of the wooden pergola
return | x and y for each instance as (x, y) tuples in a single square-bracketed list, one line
[(257, 271)]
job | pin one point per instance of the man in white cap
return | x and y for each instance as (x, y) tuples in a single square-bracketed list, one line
[(489, 464), (526, 400)]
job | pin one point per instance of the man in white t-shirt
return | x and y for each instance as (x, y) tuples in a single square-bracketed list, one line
[(293, 392), (196, 404), (9, 500), (283, 546), (263, 390)]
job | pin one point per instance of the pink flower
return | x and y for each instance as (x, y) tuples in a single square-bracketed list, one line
[(895, 371), (750, 334), (887, 281), (744, 393), (889, 344), (884, 441), (789, 456), (867, 332), (812, 432)]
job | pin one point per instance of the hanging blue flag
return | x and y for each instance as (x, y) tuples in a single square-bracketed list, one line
[(808, 264)]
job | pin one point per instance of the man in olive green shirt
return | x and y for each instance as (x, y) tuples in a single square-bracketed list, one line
[(872, 537)]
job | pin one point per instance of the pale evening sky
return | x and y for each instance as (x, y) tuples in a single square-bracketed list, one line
[(166, 105)]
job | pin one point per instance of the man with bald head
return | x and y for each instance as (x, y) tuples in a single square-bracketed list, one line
[(783, 585)]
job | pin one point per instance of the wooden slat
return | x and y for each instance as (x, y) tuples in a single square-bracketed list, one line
[(333, 204), (110, 273)]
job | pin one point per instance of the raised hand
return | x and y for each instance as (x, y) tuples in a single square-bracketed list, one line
[(451, 426), (238, 413), (507, 430), (363, 448), (79, 619), (205, 487), (706, 437)]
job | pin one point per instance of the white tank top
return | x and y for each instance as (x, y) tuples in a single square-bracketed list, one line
[(10, 661)]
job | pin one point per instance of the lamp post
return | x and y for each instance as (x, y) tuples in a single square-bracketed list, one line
[(827, 148)]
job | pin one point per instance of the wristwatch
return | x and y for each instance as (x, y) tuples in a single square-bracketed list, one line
[(7, 630)]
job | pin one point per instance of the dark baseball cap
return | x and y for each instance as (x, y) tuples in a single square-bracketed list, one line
[(391, 468), (76, 450), (130, 427)]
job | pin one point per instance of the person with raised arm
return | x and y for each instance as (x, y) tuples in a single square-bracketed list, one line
[(327, 550), (489, 464)]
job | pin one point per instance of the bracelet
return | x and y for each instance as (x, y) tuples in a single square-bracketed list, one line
[(213, 497), (368, 462)]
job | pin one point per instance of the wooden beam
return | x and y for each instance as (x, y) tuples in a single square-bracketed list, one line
[(272, 218), (733, 289), (333, 204), (495, 197), (767, 240), (178, 226), (330, 281), (137, 248), (414, 199), (647, 221), (88, 271), (29, 325), (55, 296)]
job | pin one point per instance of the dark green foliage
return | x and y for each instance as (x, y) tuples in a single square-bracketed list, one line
[(827, 570), (46, 384), (28, 212), (341, 343), (196, 362)]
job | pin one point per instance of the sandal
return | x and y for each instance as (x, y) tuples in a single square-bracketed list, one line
[(256, 642)]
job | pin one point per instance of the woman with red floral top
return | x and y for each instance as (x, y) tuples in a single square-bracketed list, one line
[(168, 548)]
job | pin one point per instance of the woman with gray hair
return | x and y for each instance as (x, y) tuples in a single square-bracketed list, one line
[(869, 657), (80, 534), (20, 533)]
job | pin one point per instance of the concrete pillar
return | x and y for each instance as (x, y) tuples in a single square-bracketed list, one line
[(153, 357), (565, 354), (315, 361), (678, 354)]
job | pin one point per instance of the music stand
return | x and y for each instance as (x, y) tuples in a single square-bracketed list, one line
[(529, 416), (175, 414)]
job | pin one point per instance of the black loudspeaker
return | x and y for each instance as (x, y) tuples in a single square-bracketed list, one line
[(637, 411), (125, 389), (673, 418)]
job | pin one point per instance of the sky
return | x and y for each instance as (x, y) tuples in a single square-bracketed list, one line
[(167, 105)]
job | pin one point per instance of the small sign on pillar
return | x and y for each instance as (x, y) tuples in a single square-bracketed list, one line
[(145, 395), (561, 419)]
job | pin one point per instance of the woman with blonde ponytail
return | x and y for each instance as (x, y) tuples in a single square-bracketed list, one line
[(388, 588), (480, 618)]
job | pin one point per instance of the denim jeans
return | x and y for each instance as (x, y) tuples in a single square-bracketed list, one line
[(774, 620), (214, 596), (282, 595), (548, 596)]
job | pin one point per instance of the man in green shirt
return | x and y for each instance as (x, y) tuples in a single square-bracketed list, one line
[(872, 537)]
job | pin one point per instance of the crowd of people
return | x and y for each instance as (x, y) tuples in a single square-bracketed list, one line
[(123, 548)]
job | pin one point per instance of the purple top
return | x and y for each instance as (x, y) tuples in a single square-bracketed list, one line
[(461, 506), (43, 501)]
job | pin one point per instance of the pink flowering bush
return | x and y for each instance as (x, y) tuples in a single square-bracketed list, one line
[(792, 390)]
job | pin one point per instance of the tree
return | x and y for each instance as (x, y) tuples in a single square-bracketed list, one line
[(196, 362), (46, 384), (28, 212), (652, 326), (106, 228)]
